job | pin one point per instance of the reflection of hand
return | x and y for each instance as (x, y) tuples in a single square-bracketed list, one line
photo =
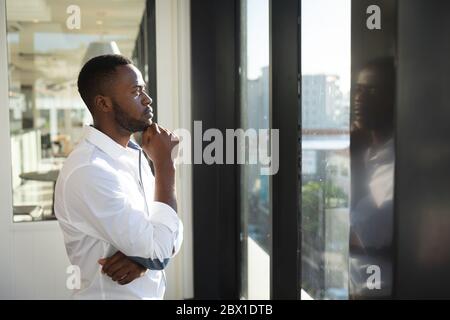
[(356, 245), (121, 268), (360, 138), (355, 126)]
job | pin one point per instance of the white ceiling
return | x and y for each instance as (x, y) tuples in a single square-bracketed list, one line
[(42, 50)]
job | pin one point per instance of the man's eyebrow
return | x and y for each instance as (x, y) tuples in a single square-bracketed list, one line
[(137, 85)]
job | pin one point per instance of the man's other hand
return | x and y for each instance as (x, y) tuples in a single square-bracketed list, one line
[(121, 268)]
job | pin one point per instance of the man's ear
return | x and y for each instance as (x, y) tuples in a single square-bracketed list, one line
[(102, 103)]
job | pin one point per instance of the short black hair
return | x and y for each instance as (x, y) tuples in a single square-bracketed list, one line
[(96, 74), (385, 68)]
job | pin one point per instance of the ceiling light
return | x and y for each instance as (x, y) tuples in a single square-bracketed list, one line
[(99, 48)]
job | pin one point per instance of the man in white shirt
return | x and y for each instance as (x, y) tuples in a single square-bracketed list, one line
[(119, 222), (373, 163)]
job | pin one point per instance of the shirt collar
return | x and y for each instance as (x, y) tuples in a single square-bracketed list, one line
[(106, 144)]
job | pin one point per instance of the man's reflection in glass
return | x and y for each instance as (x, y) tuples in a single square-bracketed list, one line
[(372, 150)]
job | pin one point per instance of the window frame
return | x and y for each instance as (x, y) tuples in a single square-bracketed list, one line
[(215, 36), (285, 91), (215, 219)]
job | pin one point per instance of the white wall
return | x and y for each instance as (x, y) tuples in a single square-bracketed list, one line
[(174, 111), (33, 261), (39, 261)]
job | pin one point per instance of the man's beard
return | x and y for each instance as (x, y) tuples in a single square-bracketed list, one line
[(125, 122)]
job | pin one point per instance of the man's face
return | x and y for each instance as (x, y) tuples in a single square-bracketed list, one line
[(373, 100), (131, 103)]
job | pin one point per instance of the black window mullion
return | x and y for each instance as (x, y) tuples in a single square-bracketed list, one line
[(151, 55), (285, 280)]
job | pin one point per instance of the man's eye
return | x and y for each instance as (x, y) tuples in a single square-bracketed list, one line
[(139, 91)]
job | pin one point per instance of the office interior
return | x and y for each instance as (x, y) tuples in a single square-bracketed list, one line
[(358, 208)]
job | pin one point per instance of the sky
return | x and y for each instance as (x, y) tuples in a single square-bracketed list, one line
[(326, 35), (325, 38), (257, 37)]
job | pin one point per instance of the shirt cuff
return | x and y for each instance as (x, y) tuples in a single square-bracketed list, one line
[(164, 214)]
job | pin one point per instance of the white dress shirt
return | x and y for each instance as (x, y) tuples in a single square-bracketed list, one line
[(104, 203), (371, 222)]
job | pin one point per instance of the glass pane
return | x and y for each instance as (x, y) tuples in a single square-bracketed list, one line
[(373, 162), (255, 188), (325, 110), (371, 249), (47, 46)]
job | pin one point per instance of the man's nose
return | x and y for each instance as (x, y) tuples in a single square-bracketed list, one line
[(359, 95), (147, 100)]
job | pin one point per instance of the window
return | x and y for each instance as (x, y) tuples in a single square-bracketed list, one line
[(325, 188), (46, 112), (255, 115)]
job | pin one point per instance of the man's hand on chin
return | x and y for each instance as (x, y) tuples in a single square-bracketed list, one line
[(121, 269)]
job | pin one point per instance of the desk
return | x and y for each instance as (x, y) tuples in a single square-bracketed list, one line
[(49, 176), (46, 176)]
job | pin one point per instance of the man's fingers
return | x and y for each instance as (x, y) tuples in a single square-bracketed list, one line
[(118, 265), (120, 273), (102, 262), (165, 130), (152, 130), (112, 260), (172, 135), (130, 277), (155, 127), (149, 132)]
